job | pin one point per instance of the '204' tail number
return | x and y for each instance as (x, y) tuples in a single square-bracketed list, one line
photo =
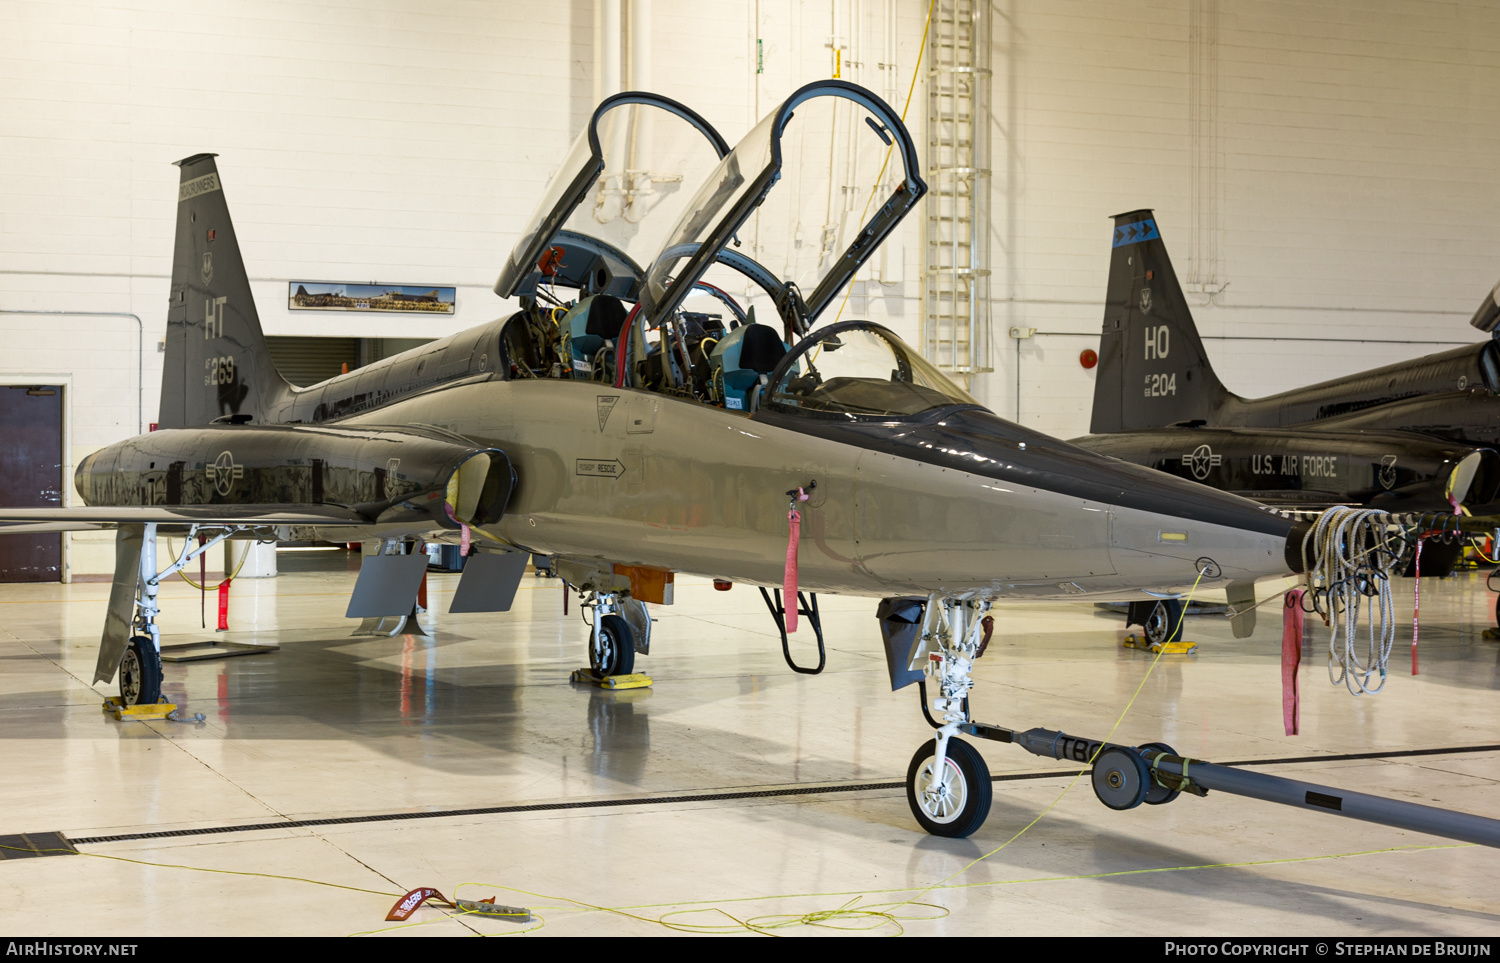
[(1161, 385), (219, 371)]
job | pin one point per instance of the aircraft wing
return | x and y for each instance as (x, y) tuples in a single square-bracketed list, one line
[(84, 519)]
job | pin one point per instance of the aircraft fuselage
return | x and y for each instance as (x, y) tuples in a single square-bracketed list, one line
[(641, 478)]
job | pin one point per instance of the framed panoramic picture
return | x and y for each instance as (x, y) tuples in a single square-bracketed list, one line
[(342, 296)]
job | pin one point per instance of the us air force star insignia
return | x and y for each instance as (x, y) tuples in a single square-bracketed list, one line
[(208, 267), (1145, 300), (605, 405), (223, 472), (1201, 460)]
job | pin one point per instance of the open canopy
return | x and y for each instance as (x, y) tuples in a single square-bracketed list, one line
[(623, 181), (847, 143)]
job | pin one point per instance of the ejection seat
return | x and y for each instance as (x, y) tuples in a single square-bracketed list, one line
[(591, 325), (746, 356)]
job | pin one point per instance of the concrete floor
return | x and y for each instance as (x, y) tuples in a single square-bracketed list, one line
[(480, 714)]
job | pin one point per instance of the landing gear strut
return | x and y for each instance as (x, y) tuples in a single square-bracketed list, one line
[(140, 671), (948, 784)]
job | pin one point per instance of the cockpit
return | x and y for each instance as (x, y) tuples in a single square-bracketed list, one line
[(649, 262), (858, 370)]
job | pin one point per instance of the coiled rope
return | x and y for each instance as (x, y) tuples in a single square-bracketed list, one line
[(1349, 556)]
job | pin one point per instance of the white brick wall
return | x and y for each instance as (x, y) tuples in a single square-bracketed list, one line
[(1357, 202), (397, 141)]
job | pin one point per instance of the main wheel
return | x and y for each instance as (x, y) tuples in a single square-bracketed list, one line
[(958, 804), (1121, 778), (140, 673), (1159, 795), (611, 649), (1164, 624)]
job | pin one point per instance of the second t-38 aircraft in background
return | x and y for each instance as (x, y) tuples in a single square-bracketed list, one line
[(633, 420), (1418, 436)]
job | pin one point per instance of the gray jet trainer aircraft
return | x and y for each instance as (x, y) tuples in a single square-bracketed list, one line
[(1421, 435), (619, 438)]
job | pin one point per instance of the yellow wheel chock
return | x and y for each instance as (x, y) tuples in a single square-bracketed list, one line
[(119, 710), (1171, 648), (635, 680), (148, 713)]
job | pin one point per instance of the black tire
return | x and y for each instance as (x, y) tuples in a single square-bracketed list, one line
[(1497, 610), (1159, 795), (969, 790), (614, 651), (1164, 624), (140, 673), (1121, 778)]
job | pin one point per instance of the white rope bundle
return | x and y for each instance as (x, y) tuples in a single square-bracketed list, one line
[(1349, 555)]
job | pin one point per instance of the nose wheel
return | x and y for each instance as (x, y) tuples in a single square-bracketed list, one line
[(955, 800)]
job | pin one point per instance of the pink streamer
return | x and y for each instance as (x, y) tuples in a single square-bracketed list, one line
[(1291, 658), (1416, 604), (789, 579)]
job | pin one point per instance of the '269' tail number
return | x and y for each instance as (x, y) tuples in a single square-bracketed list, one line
[(220, 371)]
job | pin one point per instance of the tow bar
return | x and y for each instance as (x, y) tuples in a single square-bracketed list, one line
[(1126, 776)]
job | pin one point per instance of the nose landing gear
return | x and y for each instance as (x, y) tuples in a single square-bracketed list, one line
[(948, 785)]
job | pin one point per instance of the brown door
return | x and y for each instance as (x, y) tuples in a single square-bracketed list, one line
[(31, 460)]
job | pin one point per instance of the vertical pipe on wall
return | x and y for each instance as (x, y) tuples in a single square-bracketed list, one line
[(638, 177), (609, 48), (607, 57)]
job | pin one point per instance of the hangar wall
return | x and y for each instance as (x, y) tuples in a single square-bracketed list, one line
[(1332, 167), (1326, 174)]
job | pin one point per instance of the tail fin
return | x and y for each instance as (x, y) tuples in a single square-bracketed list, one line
[(1152, 367), (217, 364)]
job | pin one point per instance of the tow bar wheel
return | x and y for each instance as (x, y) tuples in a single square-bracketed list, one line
[(957, 804), (1121, 778)]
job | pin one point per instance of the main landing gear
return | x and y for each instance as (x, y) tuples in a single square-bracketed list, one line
[(1160, 619), (621, 628), (140, 671), (949, 787)]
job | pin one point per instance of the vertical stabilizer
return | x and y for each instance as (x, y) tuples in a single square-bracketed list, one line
[(1152, 368), (216, 364)]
